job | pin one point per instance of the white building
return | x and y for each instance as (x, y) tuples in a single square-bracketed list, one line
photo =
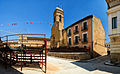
[(114, 29)]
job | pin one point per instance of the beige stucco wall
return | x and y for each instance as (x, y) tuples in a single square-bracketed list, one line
[(98, 38)]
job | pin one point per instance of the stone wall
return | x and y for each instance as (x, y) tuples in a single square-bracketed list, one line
[(98, 38), (76, 56)]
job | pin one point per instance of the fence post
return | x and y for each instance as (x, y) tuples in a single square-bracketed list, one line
[(10, 58), (31, 59), (45, 55)]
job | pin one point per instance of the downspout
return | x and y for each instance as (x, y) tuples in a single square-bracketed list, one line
[(65, 38), (91, 52)]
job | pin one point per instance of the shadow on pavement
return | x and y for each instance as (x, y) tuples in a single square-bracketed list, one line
[(98, 64), (8, 70)]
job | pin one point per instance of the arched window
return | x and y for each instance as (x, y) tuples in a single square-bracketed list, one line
[(54, 19), (60, 18)]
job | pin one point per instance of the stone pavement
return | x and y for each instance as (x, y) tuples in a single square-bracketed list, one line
[(67, 66), (94, 66)]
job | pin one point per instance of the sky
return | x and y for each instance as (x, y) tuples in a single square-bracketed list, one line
[(22, 11)]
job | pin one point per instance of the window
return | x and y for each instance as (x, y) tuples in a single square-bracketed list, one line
[(105, 46), (76, 39), (85, 37), (69, 32), (69, 41), (84, 46), (114, 22), (54, 19), (76, 28), (84, 26), (60, 18)]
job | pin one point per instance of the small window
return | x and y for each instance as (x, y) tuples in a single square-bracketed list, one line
[(69, 32), (60, 18), (76, 39), (84, 26), (114, 22), (84, 46), (54, 19), (76, 28), (69, 41), (85, 37)]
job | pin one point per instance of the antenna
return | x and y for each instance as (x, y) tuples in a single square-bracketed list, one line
[(58, 6), (62, 7)]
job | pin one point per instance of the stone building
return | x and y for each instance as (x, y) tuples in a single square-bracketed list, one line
[(86, 33), (30, 42), (113, 13), (57, 28)]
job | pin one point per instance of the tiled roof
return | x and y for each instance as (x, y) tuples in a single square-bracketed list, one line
[(85, 18), (107, 43)]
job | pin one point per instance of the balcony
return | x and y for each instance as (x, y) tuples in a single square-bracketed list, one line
[(69, 34), (76, 31), (69, 44), (84, 29), (85, 41), (76, 43)]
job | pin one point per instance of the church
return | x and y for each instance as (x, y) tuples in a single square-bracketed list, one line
[(87, 32)]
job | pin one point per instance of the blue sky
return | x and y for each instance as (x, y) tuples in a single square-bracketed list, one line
[(22, 11)]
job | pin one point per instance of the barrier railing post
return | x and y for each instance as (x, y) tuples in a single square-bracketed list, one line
[(31, 59), (42, 58), (45, 55), (10, 58), (20, 55)]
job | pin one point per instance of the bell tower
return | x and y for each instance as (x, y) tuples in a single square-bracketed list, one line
[(58, 26)]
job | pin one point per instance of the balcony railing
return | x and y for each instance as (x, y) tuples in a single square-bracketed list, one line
[(84, 40), (76, 31), (69, 44), (69, 34), (84, 29), (76, 43)]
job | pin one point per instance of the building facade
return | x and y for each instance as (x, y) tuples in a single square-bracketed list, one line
[(107, 45), (113, 13), (86, 33), (30, 42), (57, 28)]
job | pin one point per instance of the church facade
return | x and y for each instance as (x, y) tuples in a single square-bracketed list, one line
[(87, 32)]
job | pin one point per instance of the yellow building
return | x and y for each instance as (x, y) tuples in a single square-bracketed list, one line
[(87, 33)]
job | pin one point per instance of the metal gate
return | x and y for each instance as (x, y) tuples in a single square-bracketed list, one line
[(16, 49)]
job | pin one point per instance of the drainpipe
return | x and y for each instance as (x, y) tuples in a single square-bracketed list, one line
[(65, 38), (91, 52)]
